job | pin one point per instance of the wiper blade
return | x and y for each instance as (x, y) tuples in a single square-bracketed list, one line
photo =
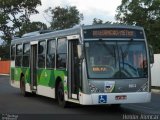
[(124, 54)]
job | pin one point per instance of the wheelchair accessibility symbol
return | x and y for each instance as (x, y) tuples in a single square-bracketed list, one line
[(102, 99)]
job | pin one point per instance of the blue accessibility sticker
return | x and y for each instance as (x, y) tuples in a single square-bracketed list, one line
[(102, 99)]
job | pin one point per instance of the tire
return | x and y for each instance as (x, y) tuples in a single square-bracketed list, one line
[(60, 95), (22, 87)]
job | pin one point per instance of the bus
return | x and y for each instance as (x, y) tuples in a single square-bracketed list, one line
[(87, 65)]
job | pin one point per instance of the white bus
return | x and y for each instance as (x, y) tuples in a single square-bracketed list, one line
[(88, 65)]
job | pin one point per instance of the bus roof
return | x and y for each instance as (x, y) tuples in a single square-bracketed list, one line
[(111, 26), (67, 32)]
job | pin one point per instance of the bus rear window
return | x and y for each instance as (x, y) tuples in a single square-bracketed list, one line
[(18, 61), (13, 51)]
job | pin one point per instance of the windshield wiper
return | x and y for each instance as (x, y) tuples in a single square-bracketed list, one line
[(124, 54), (111, 52)]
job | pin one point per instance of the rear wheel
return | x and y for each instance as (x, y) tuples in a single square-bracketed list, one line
[(60, 95)]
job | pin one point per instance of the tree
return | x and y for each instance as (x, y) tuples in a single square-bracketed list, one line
[(4, 52), (31, 27), (63, 18), (15, 13), (97, 21), (145, 13)]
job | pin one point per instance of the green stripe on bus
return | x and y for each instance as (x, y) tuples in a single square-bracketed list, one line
[(17, 73), (48, 77), (45, 77)]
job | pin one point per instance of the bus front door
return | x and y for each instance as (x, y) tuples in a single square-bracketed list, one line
[(73, 70), (33, 69)]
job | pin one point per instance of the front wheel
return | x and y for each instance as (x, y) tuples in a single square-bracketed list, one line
[(60, 95)]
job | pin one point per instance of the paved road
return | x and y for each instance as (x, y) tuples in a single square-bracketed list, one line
[(12, 103)]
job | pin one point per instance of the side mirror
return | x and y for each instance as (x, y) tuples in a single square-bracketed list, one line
[(80, 51), (151, 54)]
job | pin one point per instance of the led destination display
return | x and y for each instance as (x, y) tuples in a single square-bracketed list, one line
[(114, 33)]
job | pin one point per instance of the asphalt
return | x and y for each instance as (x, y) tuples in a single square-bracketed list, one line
[(14, 106)]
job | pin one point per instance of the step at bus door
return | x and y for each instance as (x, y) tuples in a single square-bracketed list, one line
[(73, 69), (33, 66)]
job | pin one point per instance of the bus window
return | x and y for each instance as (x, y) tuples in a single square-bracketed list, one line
[(13, 51), (61, 53), (51, 48), (41, 54), (101, 59), (18, 55), (26, 53), (133, 59)]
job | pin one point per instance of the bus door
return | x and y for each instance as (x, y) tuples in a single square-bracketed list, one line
[(73, 69), (33, 66)]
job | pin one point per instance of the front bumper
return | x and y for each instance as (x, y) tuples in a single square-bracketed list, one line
[(110, 98)]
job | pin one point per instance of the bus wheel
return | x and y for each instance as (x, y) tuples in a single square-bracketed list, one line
[(60, 95), (22, 86)]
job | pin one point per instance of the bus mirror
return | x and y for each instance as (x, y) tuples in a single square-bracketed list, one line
[(80, 49), (151, 54)]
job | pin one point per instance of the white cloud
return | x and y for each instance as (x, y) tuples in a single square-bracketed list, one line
[(102, 9), (1, 41)]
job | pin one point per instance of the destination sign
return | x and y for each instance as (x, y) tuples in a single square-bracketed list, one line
[(101, 69), (114, 33)]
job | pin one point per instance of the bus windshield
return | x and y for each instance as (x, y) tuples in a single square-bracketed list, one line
[(116, 59)]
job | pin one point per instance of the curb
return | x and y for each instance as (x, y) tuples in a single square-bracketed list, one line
[(155, 90), (5, 74)]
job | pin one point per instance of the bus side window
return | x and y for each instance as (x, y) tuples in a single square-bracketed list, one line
[(41, 54), (18, 61), (26, 55), (61, 53), (51, 48), (13, 51)]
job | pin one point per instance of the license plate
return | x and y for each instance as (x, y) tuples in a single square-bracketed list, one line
[(120, 97)]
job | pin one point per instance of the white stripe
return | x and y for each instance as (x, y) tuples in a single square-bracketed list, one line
[(46, 91), (74, 96), (92, 99), (15, 83), (28, 88)]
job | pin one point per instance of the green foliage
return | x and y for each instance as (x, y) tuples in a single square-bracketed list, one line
[(97, 21), (15, 13), (4, 52), (63, 18), (145, 13), (31, 27)]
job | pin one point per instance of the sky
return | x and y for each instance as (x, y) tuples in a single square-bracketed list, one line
[(101, 9)]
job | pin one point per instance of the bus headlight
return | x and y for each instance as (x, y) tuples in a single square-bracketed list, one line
[(94, 89), (144, 88)]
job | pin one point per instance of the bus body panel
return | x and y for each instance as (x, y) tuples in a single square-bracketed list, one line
[(46, 78), (110, 98)]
